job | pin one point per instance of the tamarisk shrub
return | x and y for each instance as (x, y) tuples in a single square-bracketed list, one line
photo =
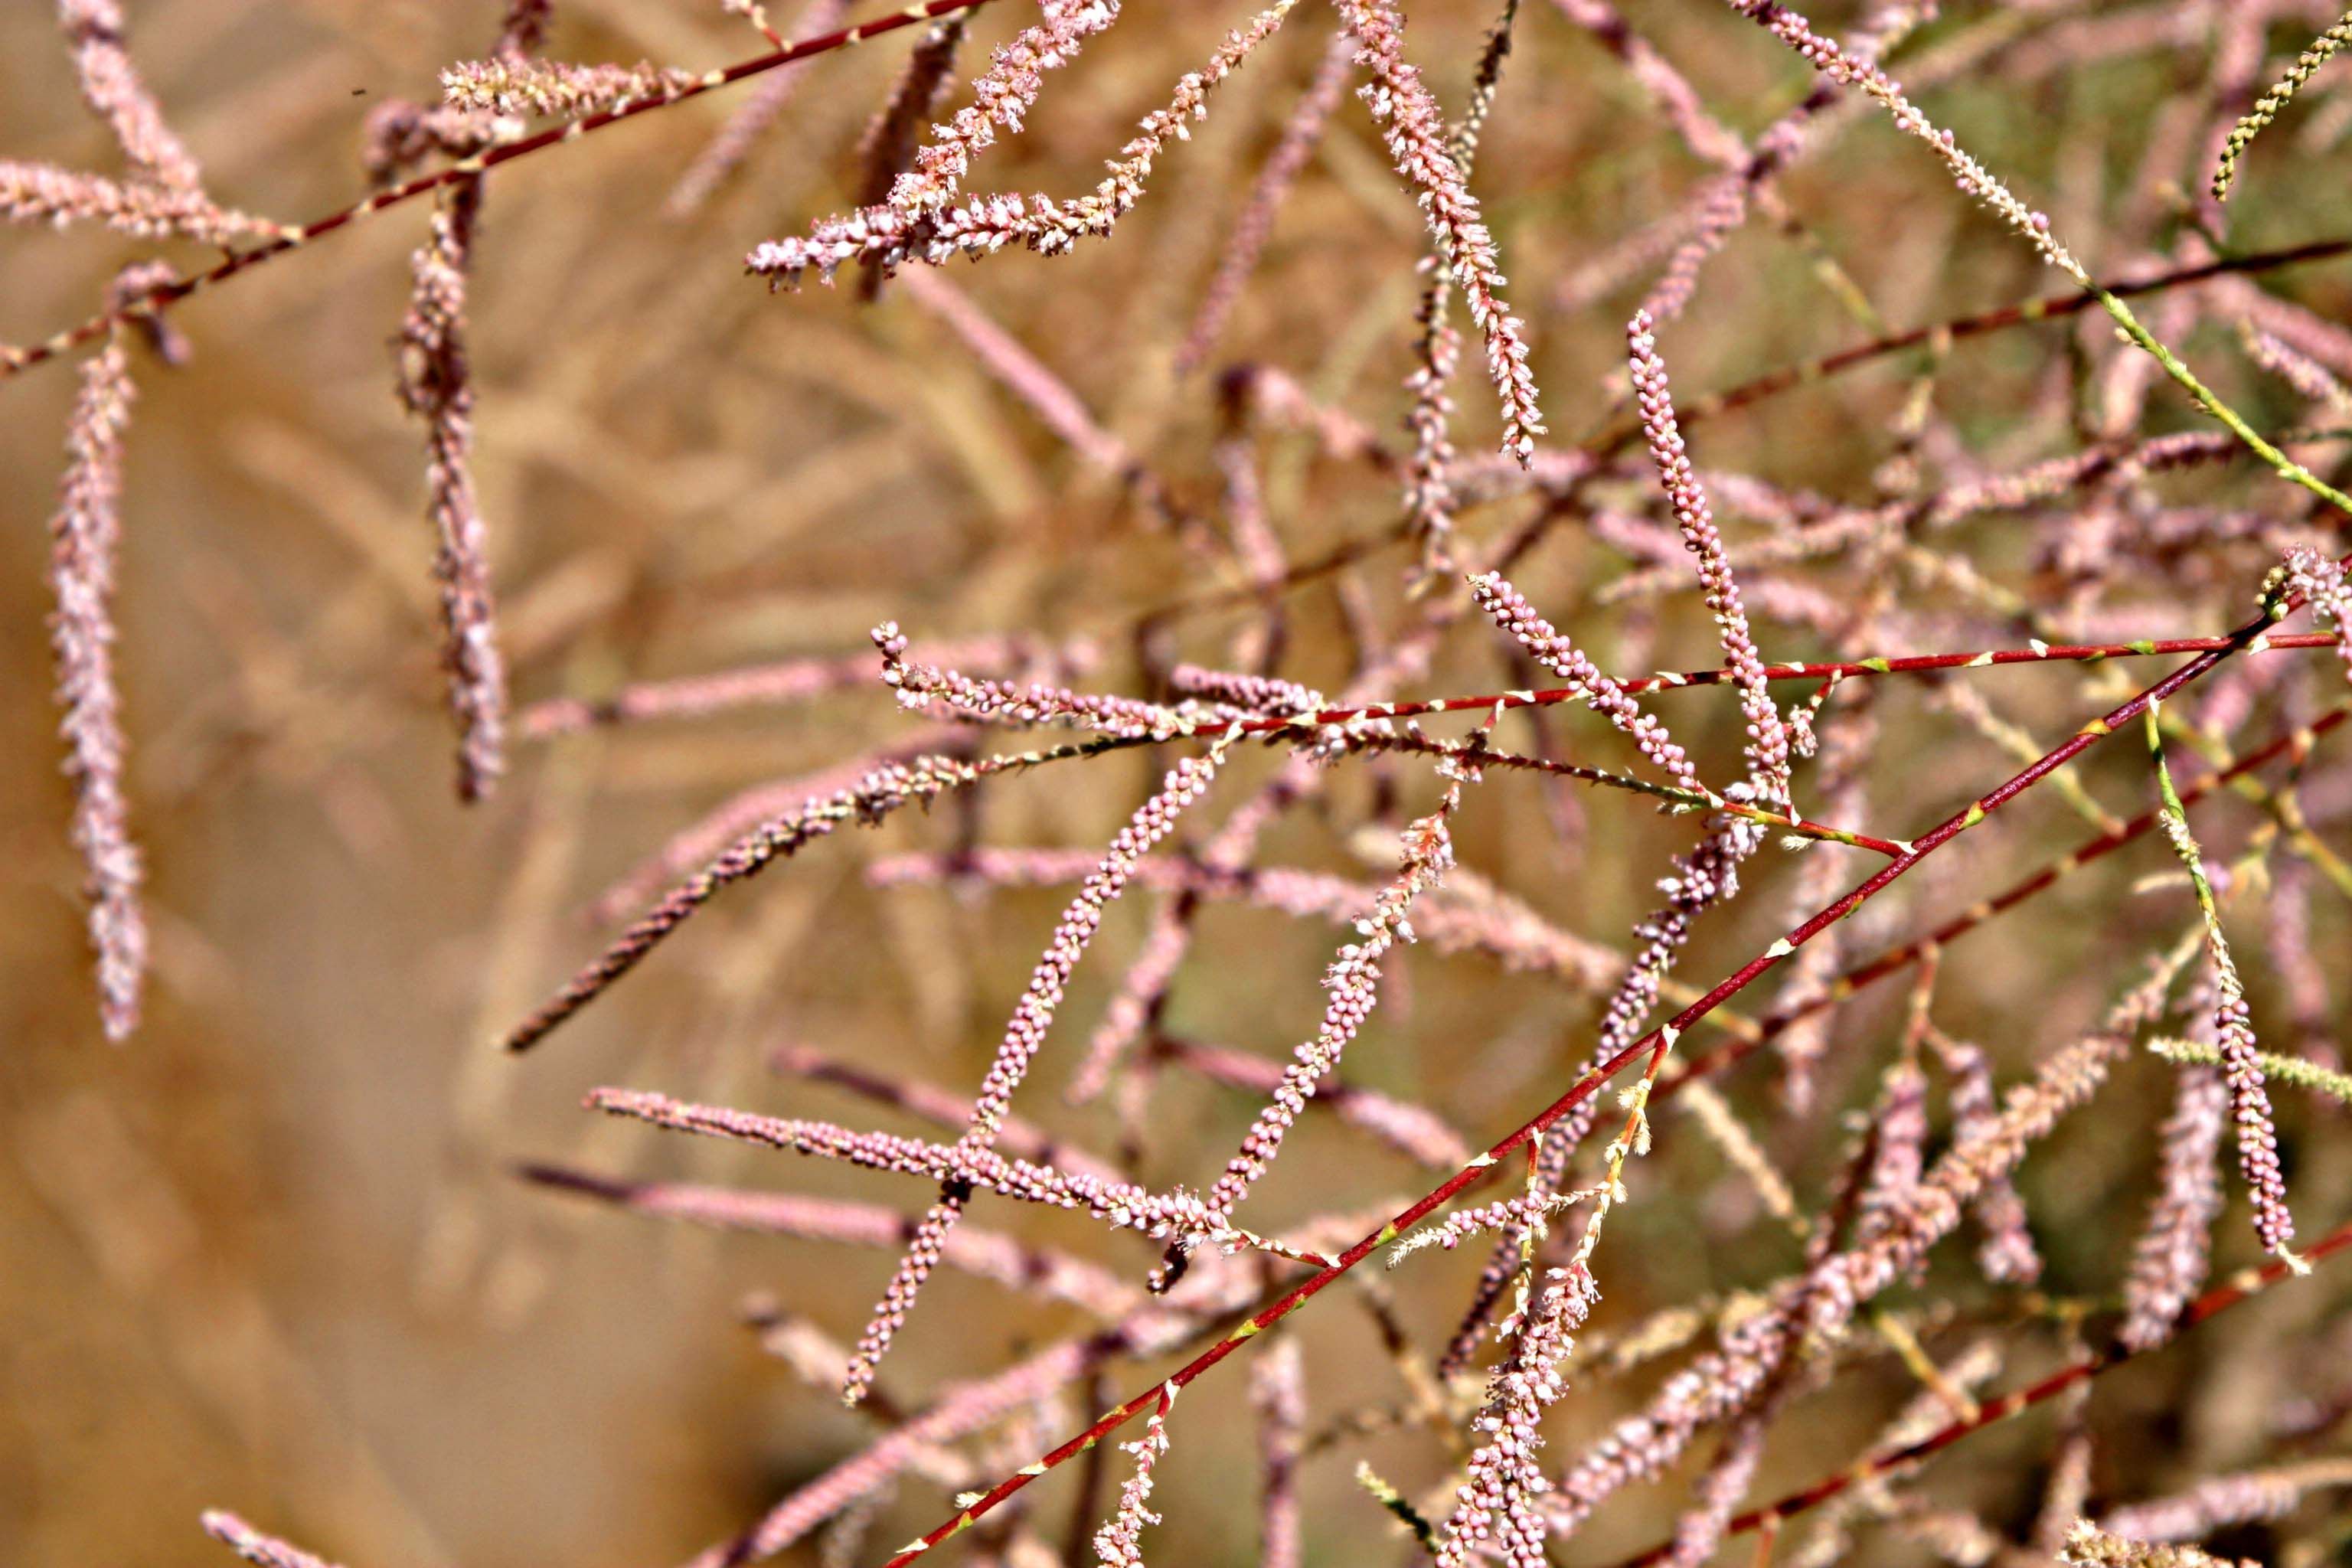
[(995, 694)]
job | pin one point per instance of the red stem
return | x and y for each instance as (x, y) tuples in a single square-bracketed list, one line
[(2048, 308), (165, 295), (2298, 742), (1672, 679), (2252, 1283)]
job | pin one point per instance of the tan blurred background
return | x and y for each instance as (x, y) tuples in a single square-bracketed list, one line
[(269, 1254)]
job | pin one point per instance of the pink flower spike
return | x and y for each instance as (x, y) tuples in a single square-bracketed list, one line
[(436, 385), (85, 535), (1768, 738), (1414, 129), (261, 1550), (1023, 1036), (113, 88)]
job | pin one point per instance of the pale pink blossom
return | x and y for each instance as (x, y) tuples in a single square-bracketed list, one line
[(2006, 1252), (2321, 581), (1119, 1543), (436, 385), (873, 795), (1499, 1507), (1552, 649), (111, 85), (2170, 1258), (927, 221), (2247, 1497), (1352, 983), (1768, 741), (85, 538), (44, 192), (1414, 129), (261, 1550), (1044, 1272), (555, 90), (1024, 1035), (1001, 97)]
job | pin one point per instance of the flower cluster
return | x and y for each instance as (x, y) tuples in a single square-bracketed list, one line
[(1415, 132)]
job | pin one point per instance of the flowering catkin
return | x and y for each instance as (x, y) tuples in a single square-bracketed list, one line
[(1840, 780), (261, 1550), (43, 192), (1300, 134), (1002, 1260), (1278, 1393), (927, 221), (85, 537), (873, 796), (436, 385), (962, 1409), (1706, 876), (111, 85), (783, 681), (1413, 1130), (1500, 1505), (2322, 582), (921, 686), (1668, 88), (1768, 738), (2006, 1253), (1024, 374), (1414, 129), (891, 136), (1462, 1224), (2241, 1056), (556, 90), (1121, 1205), (1429, 494), (702, 842), (1016, 1135), (1971, 176), (1700, 1530), (1119, 1543), (2169, 1259), (2266, 108), (2246, 1497), (1025, 1033), (2292, 366), (2088, 1546), (1002, 96), (1552, 648), (1353, 982), (1821, 1302)]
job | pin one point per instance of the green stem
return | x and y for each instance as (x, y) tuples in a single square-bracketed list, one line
[(2287, 466)]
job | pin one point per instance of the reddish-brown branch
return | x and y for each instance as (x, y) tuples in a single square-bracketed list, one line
[(1616, 437), (2047, 653), (165, 295), (2050, 308), (2295, 743), (2252, 1283)]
